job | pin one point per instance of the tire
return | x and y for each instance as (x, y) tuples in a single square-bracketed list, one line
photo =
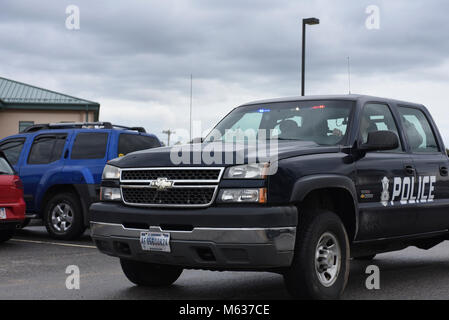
[(5, 235), (150, 274), (63, 217), (365, 258), (319, 278), (25, 223)]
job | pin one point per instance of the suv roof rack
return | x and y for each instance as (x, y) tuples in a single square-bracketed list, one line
[(79, 125)]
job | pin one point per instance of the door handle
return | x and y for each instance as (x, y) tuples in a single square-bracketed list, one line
[(410, 170), (444, 171)]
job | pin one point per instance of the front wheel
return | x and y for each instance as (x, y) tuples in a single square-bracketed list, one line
[(5, 235), (150, 274), (63, 217), (320, 266)]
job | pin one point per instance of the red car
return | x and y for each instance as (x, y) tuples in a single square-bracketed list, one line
[(12, 205)]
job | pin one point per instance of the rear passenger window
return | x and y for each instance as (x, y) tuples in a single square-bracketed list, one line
[(47, 149), (418, 130), (128, 143), (90, 145), (12, 150)]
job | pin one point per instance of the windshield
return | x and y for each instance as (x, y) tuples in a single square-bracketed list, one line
[(323, 122)]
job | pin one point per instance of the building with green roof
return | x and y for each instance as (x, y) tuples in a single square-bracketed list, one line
[(22, 105)]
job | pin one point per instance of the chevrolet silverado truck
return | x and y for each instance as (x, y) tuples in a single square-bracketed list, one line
[(353, 176)]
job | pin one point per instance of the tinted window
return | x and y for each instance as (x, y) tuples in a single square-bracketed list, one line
[(47, 149), (418, 130), (132, 142), (89, 145), (5, 168), (12, 150), (377, 117)]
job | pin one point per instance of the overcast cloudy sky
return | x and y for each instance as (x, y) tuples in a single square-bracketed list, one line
[(135, 57)]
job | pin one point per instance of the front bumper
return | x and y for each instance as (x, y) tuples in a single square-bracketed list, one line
[(225, 238), (203, 248)]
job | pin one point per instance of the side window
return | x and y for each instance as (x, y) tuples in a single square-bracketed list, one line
[(90, 145), (46, 149), (128, 143), (377, 117), (5, 168), (418, 130), (12, 150)]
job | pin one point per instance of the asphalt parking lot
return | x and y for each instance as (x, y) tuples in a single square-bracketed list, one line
[(32, 266)]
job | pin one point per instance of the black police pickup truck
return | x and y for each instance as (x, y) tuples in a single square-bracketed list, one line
[(351, 176)]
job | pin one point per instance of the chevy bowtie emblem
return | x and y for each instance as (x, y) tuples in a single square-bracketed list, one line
[(162, 184)]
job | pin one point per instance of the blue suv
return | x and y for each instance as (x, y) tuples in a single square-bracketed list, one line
[(61, 166)]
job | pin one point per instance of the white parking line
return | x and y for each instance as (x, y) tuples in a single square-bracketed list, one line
[(55, 243)]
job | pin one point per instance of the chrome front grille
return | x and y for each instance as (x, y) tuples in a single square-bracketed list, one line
[(170, 187), (171, 174), (173, 196)]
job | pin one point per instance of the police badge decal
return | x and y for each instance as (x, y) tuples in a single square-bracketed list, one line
[(385, 195)]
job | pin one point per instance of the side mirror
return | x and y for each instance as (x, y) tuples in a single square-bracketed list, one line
[(380, 141)]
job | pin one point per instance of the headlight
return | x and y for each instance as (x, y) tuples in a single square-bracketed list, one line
[(243, 195), (110, 194), (111, 172), (247, 171)]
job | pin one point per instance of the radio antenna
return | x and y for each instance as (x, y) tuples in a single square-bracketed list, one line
[(191, 105)]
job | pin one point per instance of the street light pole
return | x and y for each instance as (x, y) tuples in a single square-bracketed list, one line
[(309, 21)]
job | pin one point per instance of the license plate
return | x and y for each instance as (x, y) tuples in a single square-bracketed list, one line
[(2, 213), (155, 241)]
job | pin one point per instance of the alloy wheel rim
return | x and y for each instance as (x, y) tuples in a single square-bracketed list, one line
[(62, 217), (327, 259)]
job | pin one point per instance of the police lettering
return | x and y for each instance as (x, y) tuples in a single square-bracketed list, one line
[(407, 190)]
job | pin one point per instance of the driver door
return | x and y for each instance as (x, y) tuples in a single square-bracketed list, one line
[(380, 177)]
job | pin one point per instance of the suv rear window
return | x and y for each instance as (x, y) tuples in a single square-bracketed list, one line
[(5, 168), (47, 149), (90, 145), (12, 149), (128, 143)]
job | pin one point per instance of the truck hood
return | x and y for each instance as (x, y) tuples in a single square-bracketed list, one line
[(216, 154)]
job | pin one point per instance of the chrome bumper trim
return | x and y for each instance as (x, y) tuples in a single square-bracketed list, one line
[(282, 238)]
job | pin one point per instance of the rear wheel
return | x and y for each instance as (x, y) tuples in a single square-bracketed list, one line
[(320, 267), (63, 217), (5, 235), (150, 274)]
